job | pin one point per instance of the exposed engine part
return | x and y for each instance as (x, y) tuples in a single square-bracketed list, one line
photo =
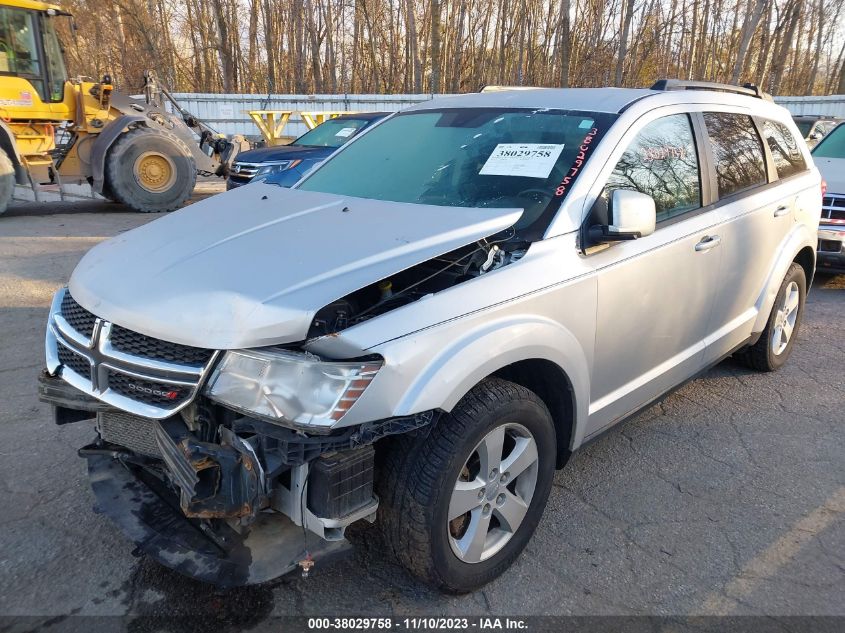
[(132, 431), (281, 447), (228, 499), (492, 255), (416, 282), (290, 498), (339, 483), (224, 480)]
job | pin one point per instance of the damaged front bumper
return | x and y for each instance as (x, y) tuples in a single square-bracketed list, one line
[(223, 498)]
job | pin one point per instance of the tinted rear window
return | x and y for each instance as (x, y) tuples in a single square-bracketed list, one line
[(737, 150), (785, 150)]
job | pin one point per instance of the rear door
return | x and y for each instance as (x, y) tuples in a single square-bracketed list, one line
[(757, 185)]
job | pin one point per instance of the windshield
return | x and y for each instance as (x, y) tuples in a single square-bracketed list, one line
[(832, 145), (479, 157), (20, 54), (18, 46), (332, 133)]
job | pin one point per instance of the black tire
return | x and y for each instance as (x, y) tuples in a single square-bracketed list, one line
[(7, 181), (108, 194), (125, 184), (418, 474), (761, 356)]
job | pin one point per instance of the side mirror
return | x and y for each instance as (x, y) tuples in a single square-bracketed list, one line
[(632, 215), (815, 136)]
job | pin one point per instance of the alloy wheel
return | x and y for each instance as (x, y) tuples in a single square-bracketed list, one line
[(492, 493), (785, 318)]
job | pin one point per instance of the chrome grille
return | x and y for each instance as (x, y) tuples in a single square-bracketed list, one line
[(77, 317), (833, 207), (128, 370), (244, 171), (134, 343), (74, 362)]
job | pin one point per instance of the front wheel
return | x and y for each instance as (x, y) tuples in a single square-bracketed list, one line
[(775, 343), (150, 170), (7, 181), (460, 505)]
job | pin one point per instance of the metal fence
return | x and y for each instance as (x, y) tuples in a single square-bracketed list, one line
[(228, 113), (833, 105)]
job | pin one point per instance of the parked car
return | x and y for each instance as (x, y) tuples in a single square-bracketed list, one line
[(429, 324), (283, 165), (829, 155), (814, 127)]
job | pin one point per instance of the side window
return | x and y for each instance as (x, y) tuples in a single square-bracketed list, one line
[(661, 162), (737, 150), (785, 151)]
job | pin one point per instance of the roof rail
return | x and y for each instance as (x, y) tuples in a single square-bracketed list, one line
[(503, 88), (678, 84)]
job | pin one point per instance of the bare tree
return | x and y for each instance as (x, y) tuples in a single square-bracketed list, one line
[(793, 46), (748, 27)]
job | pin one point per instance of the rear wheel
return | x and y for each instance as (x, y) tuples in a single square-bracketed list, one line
[(459, 505), (150, 171), (7, 180), (775, 343)]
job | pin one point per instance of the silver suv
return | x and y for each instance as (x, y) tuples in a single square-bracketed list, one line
[(427, 326)]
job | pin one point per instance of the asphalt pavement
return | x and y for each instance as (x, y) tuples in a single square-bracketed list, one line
[(728, 497)]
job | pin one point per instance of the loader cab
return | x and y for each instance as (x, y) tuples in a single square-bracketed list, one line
[(30, 50)]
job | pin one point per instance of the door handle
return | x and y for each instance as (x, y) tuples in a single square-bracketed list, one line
[(781, 210), (707, 242)]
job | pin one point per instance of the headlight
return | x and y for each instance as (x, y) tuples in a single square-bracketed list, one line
[(271, 168), (289, 387)]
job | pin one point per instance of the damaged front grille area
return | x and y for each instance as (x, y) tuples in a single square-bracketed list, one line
[(129, 431), (131, 342), (234, 468), (128, 370)]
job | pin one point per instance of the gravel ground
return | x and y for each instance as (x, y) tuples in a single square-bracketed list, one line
[(726, 497)]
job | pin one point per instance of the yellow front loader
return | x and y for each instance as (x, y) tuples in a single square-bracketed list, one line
[(55, 130)]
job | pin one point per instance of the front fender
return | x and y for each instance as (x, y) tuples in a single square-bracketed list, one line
[(414, 379), (799, 238), (105, 139)]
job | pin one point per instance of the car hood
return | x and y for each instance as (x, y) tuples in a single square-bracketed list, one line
[(283, 152), (833, 172), (251, 266)]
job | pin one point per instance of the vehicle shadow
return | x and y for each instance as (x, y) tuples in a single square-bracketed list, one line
[(21, 208), (828, 281)]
